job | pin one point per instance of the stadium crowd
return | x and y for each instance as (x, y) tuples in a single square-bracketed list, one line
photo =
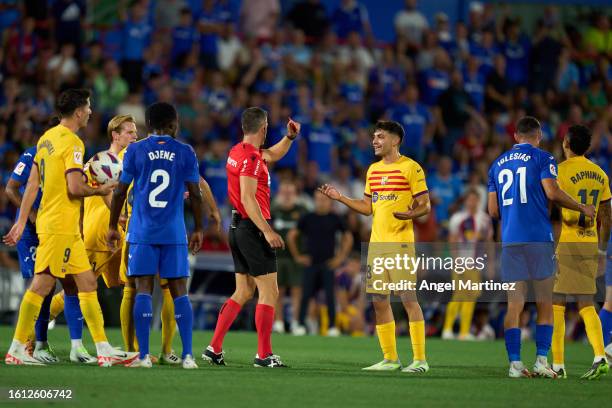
[(457, 88)]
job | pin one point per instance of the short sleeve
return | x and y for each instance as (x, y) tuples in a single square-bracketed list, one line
[(453, 224), (605, 194), (416, 179), (251, 165), (548, 167), (368, 190), (73, 156), (127, 173), (21, 171), (192, 174), (491, 186)]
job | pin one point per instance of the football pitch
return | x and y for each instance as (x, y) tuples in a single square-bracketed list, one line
[(323, 372)]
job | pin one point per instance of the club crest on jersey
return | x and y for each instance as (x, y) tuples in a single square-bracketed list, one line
[(553, 170), (384, 180)]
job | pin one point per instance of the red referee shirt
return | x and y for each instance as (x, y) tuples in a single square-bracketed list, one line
[(245, 160)]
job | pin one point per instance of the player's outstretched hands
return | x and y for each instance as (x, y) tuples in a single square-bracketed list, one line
[(14, 235), (403, 215), (107, 188), (293, 128), (112, 238), (275, 240), (330, 191), (195, 241)]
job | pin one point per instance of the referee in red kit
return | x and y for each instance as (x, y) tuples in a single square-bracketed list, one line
[(252, 239)]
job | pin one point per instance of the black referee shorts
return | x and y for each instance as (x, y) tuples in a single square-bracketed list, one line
[(251, 252)]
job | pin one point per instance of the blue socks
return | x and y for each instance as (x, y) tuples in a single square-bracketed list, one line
[(606, 325), (543, 338), (184, 319), (42, 323), (74, 317), (513, 343), (143, 314)]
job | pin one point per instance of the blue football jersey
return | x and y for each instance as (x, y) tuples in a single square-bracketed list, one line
[(21, 173), (516, 176), (159, 166)]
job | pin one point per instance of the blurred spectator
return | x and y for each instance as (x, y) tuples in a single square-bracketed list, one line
[(69, 19), (351, 297), (321, 257), (184, 35), (63, 68), (516, 48), (599, 36), (210, 24), (417, 122), (286, 213), (136, 37), (320, 142), (410, 24), (484, 52), (351, 16), (435, 80), (258, 18), (109, 88), (474, 83), (456, 108), (574, 117), (212, 168), (445, 189), (498, 94), (310, 16), (229, 48), (23, 45)]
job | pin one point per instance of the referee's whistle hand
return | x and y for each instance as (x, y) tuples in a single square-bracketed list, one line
[(275, 240)]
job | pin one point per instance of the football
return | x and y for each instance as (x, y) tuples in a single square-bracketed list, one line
[(104, 167)]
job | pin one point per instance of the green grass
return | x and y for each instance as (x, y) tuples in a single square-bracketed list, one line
[(324, 372)]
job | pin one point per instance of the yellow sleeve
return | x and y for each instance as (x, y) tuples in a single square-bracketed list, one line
[(367, 191), (605, 196), (73, 155), (416, 178)]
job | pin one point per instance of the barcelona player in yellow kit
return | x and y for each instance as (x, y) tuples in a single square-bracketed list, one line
[(395, 194), (580, 247), (58, 172)]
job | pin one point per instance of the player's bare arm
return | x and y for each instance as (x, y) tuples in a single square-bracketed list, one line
[(421, 206), (561, 198), (27, 201), (213, 211), (119, 196), (362, 206), (77, 187), (14, 196), (292, 239), (603, 219), (493, 205), (197, 207), (276, 152), (248, 188), (346, 243)]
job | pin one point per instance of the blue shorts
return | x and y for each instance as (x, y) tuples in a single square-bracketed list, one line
[(26, 250), (523, 262), (170, 261)]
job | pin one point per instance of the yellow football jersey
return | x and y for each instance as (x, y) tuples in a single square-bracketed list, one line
[(96, 216), (59, 152), (127, 206), (588, 184), (392, 188)]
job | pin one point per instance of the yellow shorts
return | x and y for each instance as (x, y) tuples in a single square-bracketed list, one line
[(389, 268), (577, 265), (106, 263), (124, 266), (61, 254)]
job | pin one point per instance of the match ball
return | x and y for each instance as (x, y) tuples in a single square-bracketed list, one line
[(105, 167)]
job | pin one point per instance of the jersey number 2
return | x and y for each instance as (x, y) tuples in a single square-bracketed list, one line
[(506, 177), (165, 182)]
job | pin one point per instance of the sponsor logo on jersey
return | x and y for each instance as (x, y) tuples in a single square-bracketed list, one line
[(19, 168), (553, 170)]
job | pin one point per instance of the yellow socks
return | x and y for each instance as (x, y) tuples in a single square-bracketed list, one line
[(465, 322), (90, 307), (417, 338), (592, 325), (57, 305), (452, 310), (127, 318), (386, 338), (558, 337), (168, 321), (28, 313)]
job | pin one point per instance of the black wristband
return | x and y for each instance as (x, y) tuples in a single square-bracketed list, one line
[(292, 138)]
